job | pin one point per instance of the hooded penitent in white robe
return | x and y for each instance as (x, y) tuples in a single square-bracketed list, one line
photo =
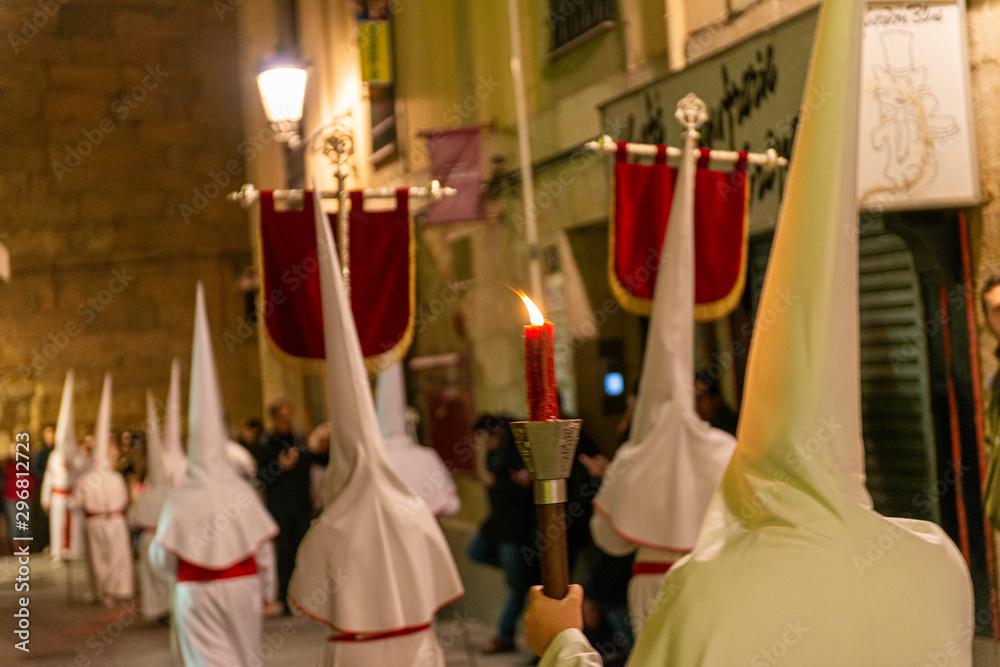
[(66, 530), (174, 460), (241, 460), (375, 566), (144, 515), (654, 494), (103, 495), (792, 564), (213, 538), (420, 467)]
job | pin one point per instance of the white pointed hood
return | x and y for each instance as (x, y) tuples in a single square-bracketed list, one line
[(207, 434), (657, 488), (790, 547), (102, 429), (156, 474), (60, 472), (376, 540), (65, 456), (100, 488), (213, 519), (66, 424), (420, 467), (174, 458), (145, 510)]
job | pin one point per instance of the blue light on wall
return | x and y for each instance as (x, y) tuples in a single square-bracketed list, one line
[(614, 384)]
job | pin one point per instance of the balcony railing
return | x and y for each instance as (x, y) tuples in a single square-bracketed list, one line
[(575, 20)]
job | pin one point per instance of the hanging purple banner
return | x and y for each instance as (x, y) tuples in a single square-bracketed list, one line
[(454, 155)]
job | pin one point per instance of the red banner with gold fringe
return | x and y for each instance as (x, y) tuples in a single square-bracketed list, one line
[(382, 279), (640, 210)]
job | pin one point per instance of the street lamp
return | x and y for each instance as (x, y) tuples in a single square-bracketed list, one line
[(282, 83)]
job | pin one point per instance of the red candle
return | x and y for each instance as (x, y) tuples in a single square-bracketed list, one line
[(539, 366)]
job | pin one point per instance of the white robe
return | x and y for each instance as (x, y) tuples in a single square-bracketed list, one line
[(643, 589), (66, 530), (420, 649), (102, 492), (570, 649), (218, 623), (421, 468), (154, 589)]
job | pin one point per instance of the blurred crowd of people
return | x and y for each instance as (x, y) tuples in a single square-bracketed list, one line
[(277, 462), (510, 540), (286, 466)]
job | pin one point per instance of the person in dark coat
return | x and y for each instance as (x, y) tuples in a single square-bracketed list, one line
[(283, 471), (506, 538), (711, 406), (40, 518)]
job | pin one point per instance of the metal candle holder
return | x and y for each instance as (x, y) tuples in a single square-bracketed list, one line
[(548, 449)]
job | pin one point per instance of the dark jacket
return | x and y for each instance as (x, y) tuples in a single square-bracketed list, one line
[(287, 491), (512, 513)]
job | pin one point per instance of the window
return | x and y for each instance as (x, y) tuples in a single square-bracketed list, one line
[(375, 49), (574, 21), (383, 113)]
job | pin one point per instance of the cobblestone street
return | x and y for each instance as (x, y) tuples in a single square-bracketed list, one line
[(71, 631)]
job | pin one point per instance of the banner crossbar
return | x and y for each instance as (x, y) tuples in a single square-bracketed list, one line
[(248, 195), (769, 159)]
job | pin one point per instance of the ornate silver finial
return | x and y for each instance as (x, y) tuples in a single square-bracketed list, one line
[(338, 145), (336, 140), (691, 112)]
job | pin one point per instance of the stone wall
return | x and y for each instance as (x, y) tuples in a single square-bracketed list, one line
[(121, 134), (984, 62)]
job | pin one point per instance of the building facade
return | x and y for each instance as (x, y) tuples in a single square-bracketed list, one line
[(593, 67), (121, 132)]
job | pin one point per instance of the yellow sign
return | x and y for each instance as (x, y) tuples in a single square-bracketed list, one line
[(373, 42)]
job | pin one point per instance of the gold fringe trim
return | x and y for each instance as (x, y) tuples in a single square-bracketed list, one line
[(377, 363), (703, 312), (630, 302), (300, 364)]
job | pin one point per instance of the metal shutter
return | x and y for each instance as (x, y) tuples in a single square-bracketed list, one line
[(895, 391)]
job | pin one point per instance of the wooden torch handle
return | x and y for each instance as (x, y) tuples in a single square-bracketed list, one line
[(554, 555)]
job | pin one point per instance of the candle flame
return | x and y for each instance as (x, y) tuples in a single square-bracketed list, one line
[(533, 312)]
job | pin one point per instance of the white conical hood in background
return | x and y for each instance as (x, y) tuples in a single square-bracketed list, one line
[(213, 519), (376, 539), (102, 429), (66, 424), (60, 475), (354, 430), (207, 435), (390, 406), (789, 548), (173, 448), (657, 488), (145, 509), (156, 474), (668, 361), (101, 489), (420, 467)]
